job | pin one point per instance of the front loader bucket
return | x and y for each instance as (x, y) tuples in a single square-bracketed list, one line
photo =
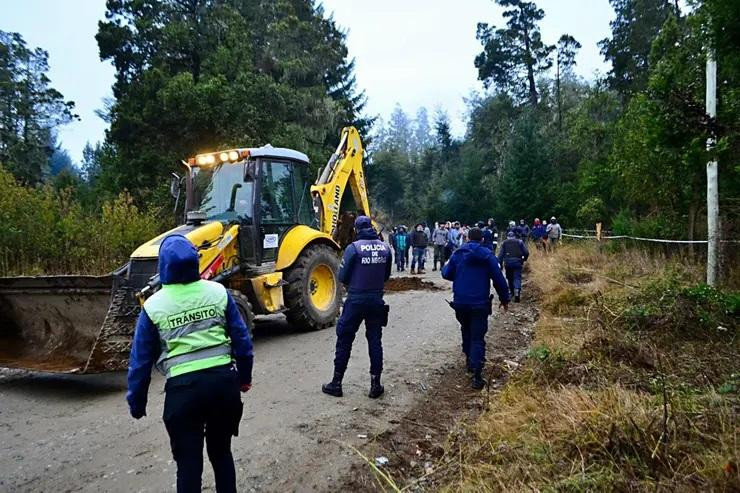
[(70, 324)]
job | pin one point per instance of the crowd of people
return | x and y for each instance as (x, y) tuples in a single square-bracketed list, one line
[(448, 236)]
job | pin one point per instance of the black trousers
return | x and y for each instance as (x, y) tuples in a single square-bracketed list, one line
[(202, 405), (375, 315)]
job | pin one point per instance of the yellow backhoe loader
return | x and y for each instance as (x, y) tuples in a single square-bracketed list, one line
[(259, 228)]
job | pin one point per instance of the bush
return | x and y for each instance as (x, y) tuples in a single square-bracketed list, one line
[(47, 231)]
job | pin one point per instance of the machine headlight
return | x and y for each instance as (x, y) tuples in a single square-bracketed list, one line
[(233, 155)]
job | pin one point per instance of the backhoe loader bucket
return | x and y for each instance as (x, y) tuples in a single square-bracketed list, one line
[(70, 324)]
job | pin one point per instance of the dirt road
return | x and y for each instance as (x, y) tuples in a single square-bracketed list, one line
[(67, 433)]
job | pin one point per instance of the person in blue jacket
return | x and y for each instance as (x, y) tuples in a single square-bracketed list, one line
[(512, 256), (471, 269), (366, 265), (192, 330)]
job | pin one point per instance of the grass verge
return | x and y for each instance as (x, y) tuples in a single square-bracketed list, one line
[(631, 384)]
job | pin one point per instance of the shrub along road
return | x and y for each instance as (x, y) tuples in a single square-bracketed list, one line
[(73, 433)]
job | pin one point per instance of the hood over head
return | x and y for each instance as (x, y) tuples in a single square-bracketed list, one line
[(363, 222), (510, 234), (474, 250), (178, 261)]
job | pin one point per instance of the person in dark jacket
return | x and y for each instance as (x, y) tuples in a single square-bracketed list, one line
[(366, 266), (524, 230), (419, 243), (488, 240), (471, 269), (192, 329), (512, 256)]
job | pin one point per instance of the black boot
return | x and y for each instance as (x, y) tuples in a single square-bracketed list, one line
[(376, 390), (518, 296), (334, 387), (478, 383)]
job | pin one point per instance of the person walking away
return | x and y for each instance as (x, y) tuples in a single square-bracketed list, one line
[(494, 231), (512, 256), (419, 245), (192, 329), (440, 237), (554, 233), (471, 269), (538, 234), (488, 240), (366, 266), (525, 230), (401, 244)]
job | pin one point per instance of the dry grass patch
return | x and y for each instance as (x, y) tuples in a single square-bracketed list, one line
[(631, 384)]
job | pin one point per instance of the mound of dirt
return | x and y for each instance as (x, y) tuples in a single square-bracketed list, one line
[(410, 284)]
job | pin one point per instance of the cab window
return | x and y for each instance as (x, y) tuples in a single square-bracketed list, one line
[(276, 197)]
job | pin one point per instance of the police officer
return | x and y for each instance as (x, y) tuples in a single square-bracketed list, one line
[(471, 269), (193, 331), (365, 268), (512, 256)]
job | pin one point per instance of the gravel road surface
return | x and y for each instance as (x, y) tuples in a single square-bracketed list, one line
[(74, 433)]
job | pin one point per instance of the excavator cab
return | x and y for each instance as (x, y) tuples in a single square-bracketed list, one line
[(264, 190)]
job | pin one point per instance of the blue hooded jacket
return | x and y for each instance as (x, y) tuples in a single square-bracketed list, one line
[(178, 264), (471, 269)]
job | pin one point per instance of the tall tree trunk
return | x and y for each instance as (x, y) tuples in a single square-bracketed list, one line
[(560, 101), (530, 71)]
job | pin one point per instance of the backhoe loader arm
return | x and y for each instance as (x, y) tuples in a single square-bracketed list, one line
[(344, 166)]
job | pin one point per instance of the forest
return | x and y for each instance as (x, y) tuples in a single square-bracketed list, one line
[(627, 148)]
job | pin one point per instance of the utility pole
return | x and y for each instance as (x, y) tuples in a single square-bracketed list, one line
[(712, 181)]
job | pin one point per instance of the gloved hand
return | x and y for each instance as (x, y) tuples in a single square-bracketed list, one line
[(245, 387), (137, 412)]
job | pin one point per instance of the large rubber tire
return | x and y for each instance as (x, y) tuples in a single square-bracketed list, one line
[(245, 309), (303, 313)]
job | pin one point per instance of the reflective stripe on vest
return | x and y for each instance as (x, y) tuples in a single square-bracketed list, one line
[(191, 320)]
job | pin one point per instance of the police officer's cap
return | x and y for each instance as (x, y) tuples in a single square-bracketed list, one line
[(363, 222)]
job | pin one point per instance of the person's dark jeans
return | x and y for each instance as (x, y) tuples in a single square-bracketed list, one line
[(439, 256), (202, 405), (375, 315), (418, 257), (401, 256), (514, 278), (473, 328)]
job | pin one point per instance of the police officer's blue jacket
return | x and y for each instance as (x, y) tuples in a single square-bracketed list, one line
[(178, 264), (488, 238), (366, 266), (513, 252), (471, 269)]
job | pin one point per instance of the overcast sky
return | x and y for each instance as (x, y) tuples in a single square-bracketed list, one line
[(412, 52)]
